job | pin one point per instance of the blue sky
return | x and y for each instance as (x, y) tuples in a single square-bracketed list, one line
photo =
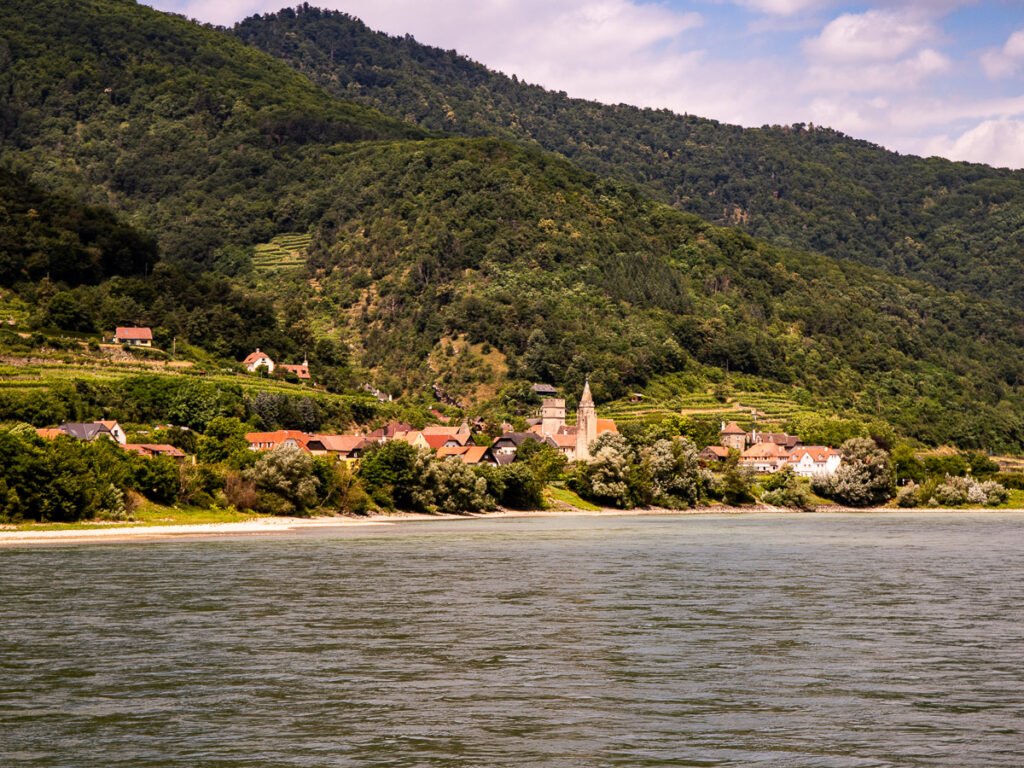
[(927, 77)]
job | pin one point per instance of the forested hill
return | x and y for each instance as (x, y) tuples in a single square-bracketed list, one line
[(201, 139), (955, 225), (464, 263)]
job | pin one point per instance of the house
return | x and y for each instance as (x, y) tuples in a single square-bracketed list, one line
[(566, 444), (256, 359), (51, 433), (135, 337), (460, 434), (734, 436), (150, 450), (473, 455), (765, 458), (714, 454), (544, 390), (270, 441), (814, 460), (779, 438), (505, 446), (92, 430), (388, 431), (302, 371), (346, 447)]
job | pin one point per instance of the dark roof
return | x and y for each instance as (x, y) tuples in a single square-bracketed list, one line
[(87, 431), (544, 389), (518, 438)]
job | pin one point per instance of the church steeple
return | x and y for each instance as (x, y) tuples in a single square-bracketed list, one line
[(586, 423)]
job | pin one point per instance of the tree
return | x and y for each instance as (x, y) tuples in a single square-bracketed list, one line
[(865, 477), (737, 480), (285, 482), (224, 436), (674, 472)]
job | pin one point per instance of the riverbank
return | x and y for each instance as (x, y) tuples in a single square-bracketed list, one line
[(277, 526)]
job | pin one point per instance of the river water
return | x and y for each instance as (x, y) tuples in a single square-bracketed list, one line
[(803, 640)]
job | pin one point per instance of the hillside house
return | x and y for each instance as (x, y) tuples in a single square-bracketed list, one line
[(302, 371), (135, 337), (544, 390), (94, 430), (256, 359)]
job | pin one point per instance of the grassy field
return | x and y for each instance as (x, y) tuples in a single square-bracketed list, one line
[(565, 496)]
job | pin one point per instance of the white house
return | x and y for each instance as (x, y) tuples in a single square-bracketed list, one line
[(814, 460), (256, 359)]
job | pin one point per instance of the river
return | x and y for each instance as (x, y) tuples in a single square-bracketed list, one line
[(782, 640)]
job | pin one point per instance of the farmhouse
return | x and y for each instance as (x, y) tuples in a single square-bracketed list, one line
[(92, 430), (302, 371), (256, 359), (136, 337)]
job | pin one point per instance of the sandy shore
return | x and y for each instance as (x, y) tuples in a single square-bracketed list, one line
[(270, 526)]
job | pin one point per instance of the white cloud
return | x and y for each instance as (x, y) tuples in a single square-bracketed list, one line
[(1005, 61), (782, 7), (870, 36), (887, 76), (995, 142)]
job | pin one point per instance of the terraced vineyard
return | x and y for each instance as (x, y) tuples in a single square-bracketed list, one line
[(282, 252), (698, 398)]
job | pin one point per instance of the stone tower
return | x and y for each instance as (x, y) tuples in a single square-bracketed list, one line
[(552, 415), (586, 424)]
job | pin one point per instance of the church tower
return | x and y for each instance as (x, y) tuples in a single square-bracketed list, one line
[(586, 424), (552, 414)]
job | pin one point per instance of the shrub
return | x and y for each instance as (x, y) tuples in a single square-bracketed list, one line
[(909, 496)]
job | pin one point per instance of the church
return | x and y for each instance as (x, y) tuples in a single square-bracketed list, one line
[(572, 440)]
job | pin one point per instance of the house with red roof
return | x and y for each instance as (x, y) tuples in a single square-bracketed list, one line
[(269, 441), (302, 371), (815, 460), (136, 337), (473, 455), (149, 450), (256, 359)]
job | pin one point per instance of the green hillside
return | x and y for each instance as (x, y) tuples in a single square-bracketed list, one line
[(444, 268), (955, 225), (202, 140)]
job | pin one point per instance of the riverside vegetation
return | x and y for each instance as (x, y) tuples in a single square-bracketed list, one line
[(143, 158)]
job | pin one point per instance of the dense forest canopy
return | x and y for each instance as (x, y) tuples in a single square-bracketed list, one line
[(956, 225)]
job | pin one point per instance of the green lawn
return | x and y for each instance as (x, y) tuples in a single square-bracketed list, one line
[(566, 496)]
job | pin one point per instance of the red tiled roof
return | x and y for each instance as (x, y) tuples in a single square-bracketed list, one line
[(436, 441), (252, 357), (470, 454), (607, 425), (154, 449), (50, 434), (271, 440), (301, 371), (139, 334), (733, 429)]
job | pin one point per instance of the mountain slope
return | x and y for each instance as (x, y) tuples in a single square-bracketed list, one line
[(956, 225), (201, 139), (564, 273), (465, 264)]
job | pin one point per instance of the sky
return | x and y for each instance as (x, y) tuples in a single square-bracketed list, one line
[(923, 77)]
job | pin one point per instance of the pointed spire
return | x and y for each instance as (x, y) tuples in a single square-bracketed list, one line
[(586, 398)]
